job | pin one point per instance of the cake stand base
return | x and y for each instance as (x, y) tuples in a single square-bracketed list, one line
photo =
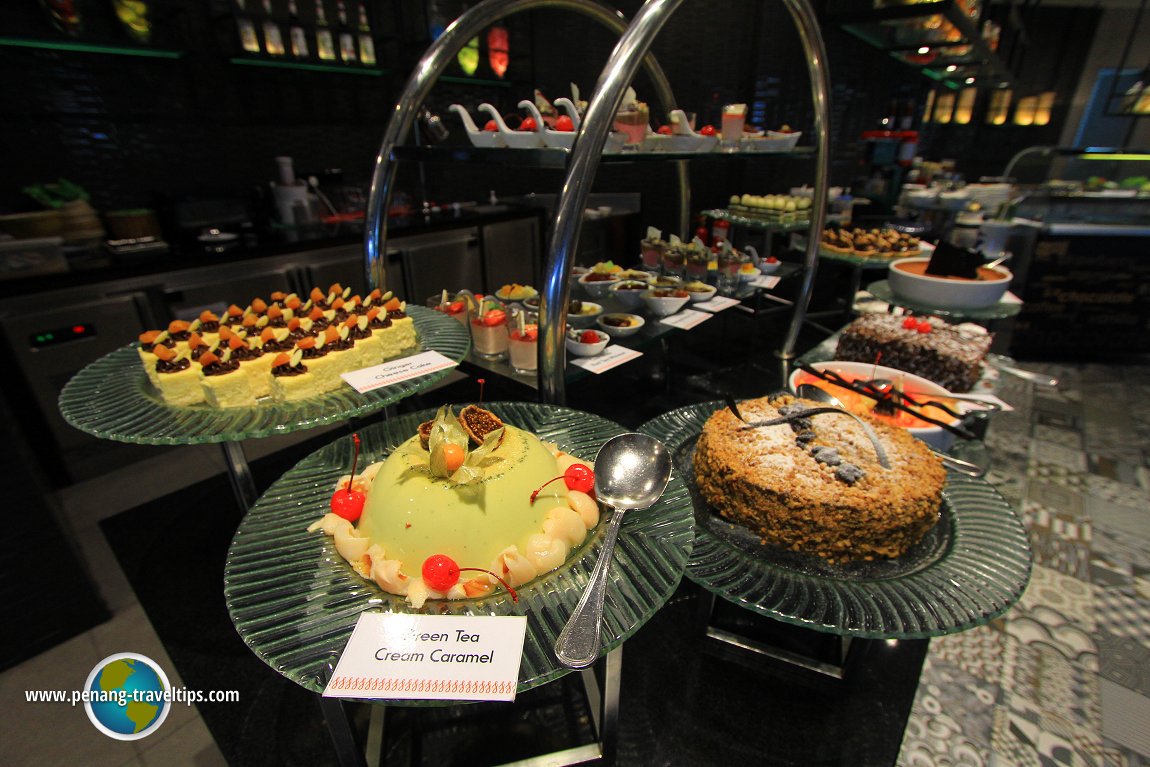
[(737, 635)]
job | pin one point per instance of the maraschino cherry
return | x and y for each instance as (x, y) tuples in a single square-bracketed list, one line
[(577, 477), (441, 573), (346, 502)]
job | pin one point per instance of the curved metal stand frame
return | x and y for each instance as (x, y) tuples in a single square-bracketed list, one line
[(631, 50)]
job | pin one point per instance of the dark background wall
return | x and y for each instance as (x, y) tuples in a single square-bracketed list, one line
[(142, 131)]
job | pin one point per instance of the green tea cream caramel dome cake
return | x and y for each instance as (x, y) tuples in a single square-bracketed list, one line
[(465, 505)]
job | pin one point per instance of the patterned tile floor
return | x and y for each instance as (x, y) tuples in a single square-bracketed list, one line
[(1064, 677)]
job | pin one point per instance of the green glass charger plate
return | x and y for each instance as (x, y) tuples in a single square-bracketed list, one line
[(294, 600), (112, 398), (970, 568)]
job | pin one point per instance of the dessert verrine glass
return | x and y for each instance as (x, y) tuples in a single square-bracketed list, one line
[(652, 253), (523, 346), (489, 329)]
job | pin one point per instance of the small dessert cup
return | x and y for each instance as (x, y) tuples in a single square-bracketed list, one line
[(523, 348), (455, 308), (652, 253), (734, 119), (697, 261), (489, 330), (728, 274), (674, 261), (633, 122)]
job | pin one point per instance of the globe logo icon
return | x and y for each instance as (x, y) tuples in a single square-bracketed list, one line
[(127, 696)]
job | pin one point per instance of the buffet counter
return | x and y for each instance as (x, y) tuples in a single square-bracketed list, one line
[(82, 266), (1084, 292)]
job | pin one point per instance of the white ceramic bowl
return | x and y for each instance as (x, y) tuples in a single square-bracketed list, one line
[(580, 349), (766, 267), (629, 293), (586, 318), (526, 292), (943, 292), (597, 288), (663, 306), (638, 275), (699, 295), (748, 276), (618, 331), (935, 436)]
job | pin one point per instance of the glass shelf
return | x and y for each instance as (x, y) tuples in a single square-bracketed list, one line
[(902, 29), (79, 46), (755, 223), (970, 568), (558, 158), (112, 398), (309, 67), (294, 600), (478, 82)]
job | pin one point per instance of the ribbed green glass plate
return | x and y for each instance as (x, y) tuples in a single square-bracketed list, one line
[(968, 570), (112, 399), (295, 601)]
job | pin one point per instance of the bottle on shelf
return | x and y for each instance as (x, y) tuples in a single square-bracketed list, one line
[(324, 42), (366, 41), (273, 37), (346, 37), (246, 29), (296, 33)]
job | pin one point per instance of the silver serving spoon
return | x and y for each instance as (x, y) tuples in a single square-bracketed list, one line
[(631, 472), (818, 394), (884, 385), (1006, 365)]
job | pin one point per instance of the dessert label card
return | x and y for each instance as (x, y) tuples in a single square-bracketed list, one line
[(430, 657), (766, 281), (686, 319), (717, 304), (611, 357), (378, 376)]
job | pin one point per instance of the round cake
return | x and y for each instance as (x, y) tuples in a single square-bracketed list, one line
[(815, 483), (485, 495)]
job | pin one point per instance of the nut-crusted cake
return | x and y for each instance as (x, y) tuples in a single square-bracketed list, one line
[(815, 484), (949, 357)]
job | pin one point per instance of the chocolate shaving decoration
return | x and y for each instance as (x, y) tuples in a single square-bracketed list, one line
[(733, 407), (425, 434), (478, 423), (949, 260)]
